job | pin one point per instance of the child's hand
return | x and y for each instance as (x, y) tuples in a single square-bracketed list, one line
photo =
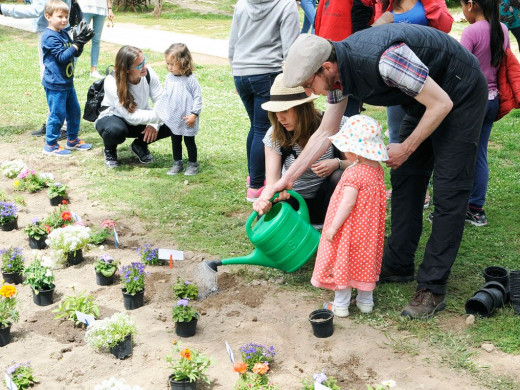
[(190, 119), (330, 233)]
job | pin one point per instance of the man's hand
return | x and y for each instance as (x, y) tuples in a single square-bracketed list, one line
[(386, 18), (150, 134), (397, 155), (325, 168)]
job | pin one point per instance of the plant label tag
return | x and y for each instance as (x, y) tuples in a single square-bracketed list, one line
[(87, 319), (164, 254), (230, 353), (75, 216), (319, 386), (116, 238), (9, 382)]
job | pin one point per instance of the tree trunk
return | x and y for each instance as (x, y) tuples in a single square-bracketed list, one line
[(157, 8)]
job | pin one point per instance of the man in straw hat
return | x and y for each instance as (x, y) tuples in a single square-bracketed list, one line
[(444, 94)]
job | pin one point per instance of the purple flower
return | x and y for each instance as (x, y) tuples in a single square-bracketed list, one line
[(34, 221), (186, 283), (320, 378), (182, 302)]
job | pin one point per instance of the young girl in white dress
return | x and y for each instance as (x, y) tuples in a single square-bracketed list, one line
[(179, 107)]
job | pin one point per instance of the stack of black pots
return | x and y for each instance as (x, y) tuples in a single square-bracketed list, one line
[(493, 294), (514, 285)]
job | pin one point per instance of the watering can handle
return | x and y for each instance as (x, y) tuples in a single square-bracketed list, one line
[(303, 211)]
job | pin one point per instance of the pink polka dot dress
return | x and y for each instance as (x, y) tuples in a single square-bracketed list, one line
[(353, 258)]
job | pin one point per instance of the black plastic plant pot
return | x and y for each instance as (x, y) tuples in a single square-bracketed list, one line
[(102, 280), (514, 283), (497, 274), (499, 287), (5, 335), (11, 225), (186, 329), (37, 244), (57, 200), (12, 277), (322, 323), (181, 385), (44, 297), (498, 296), (133, 302), (76, 257), (122, 349), (481, 304)]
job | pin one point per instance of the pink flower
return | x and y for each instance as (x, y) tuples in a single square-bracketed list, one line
[(107, 224)]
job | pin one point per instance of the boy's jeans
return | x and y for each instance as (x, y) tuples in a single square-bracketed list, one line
[(62, 105)]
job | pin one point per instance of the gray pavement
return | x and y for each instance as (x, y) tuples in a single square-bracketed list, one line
[(143, 37)]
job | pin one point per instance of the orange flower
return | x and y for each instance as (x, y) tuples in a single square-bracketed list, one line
[(47, 228), (65, 215), (63, 201), (260, 368), (175, 341), (240, 367), (8, 291), (186, 354)]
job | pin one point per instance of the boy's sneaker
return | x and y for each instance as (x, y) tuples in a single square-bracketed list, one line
[(176, 168), (111, 158), (78, 144), (253, 194), (193, 169), (476, 217), (141, 152), (55, 150)]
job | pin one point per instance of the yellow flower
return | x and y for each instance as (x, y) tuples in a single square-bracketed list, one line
[(186, 354), (16, 183), (8, 291)]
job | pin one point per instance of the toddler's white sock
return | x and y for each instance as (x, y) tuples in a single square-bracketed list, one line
[(342, 297), (366, 297)]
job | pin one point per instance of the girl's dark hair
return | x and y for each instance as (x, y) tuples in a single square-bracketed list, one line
[(182, 57), (309, 119), (125, 58), (490, 9)]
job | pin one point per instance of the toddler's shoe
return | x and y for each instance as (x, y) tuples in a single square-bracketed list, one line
[(338, 311), (253, 194), (193, 169), (78, 144), (365, 307), (176, 168), (55, 150)]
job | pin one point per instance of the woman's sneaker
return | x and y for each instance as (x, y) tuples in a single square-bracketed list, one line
[(55, 150), (111, 158), (253, 194), (141, 152), (78, 144)]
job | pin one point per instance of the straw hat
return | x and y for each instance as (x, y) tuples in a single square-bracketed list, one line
[(361, 135), (283, 98)]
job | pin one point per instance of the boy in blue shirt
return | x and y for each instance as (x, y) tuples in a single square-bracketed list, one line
[(58, 58)]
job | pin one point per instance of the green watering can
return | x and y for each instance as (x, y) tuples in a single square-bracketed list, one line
[(283, 238)]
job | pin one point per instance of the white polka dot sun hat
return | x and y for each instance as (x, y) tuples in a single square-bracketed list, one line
[(361, 135)]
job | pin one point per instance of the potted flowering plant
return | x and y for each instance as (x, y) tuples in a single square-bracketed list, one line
[(8, 217), (322, 379), (11, 169), (60, 217), (40, 277), (29, 180), (57, 192), (188, 366), (8, 312), (12, 265), (113, 333), (149, 255), (99, 235), (105, 267), (22, 375), (69, 242), (253, 370), (133, 285), (184, 289), (185, 318), (37, 232)]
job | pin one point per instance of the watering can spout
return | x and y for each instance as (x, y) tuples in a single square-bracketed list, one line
[(254, 258), (214, 264)]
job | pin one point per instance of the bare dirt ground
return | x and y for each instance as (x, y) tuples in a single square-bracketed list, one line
[(239, 313)]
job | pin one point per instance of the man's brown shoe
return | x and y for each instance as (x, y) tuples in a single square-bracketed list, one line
[(424, 304)]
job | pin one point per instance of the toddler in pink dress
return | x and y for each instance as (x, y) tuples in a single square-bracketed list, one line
[(351, 244)]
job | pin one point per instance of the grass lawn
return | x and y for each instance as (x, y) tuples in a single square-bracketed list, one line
[(206, 213)]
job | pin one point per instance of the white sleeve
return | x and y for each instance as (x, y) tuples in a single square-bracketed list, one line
[(197, 95), (22, 11)]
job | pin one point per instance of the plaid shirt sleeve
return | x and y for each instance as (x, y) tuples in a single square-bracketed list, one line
[(401, 68), (335, 96)]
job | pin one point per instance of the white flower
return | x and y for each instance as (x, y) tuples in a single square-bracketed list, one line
[(48, 272), (115, 384), (11, 169), (69, 238), (389, 383)]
